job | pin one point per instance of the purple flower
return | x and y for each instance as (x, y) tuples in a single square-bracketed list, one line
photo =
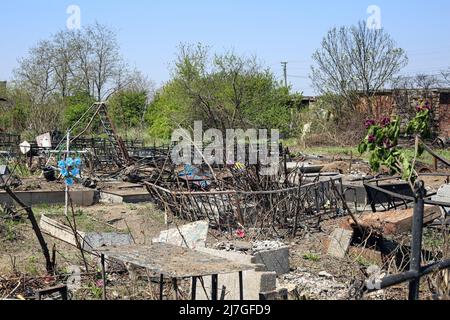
[(369, 123), (372, 139), (427, 105), (385, 122)]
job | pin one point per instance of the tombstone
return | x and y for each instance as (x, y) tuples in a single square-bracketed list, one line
[(443, 195), (4, 170), (44, 140), (25, 147), (192, 235)]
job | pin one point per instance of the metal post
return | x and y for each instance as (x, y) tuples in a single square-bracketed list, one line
[(103, 276), (241, 285), (214, 282), (194, 289), (161, 287), (175, 287), (416, 245)]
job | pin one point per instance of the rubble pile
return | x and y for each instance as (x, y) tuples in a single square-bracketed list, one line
[(307, 286)]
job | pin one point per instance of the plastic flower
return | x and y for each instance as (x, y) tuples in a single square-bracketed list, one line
[(69, 162), (77, 162), (69, 181), (64, 172), (70, 169), (240, 233), (61, 164)]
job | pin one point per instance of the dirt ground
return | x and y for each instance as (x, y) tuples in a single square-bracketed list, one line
[(20, 252)]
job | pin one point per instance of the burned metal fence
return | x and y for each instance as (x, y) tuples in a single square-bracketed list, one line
[(416, 268), (289, 208)]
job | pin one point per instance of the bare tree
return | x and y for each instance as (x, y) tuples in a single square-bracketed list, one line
[(63, 60), (36, 72), (426, 82), (105, 57), (445, 75), (356, 60)]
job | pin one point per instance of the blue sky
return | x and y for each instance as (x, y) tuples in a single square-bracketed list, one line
[(283, 30)]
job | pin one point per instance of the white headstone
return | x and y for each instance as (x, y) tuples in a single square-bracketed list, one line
[(25, 147)]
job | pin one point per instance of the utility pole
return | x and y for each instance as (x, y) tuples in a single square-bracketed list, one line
[(284, 64)]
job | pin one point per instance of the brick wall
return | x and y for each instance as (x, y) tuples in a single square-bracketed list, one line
[(442, 116), (403, 103)]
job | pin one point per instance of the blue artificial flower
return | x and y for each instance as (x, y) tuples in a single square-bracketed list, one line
[(77, 162), (75, 172), (69, 162), (61, 164), (69, 182), (64, 172)]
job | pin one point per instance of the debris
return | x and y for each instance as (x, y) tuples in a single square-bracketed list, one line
[(443, 195), (89, 240), (191, 236), (325, 275), (396, 222), (307, 286), (365, 255), (274, 255), (93, 240), (340, 240)]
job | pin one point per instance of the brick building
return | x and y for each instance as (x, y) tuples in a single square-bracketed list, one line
[(403, 103)]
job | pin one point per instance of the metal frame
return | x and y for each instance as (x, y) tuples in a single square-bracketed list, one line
[(416, 270), (283, 208)]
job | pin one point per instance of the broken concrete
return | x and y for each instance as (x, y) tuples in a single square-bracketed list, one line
[(340, 240), (274, 255), (88, 240), (190, 236), (94, 240), (396, 222), (443, 195), (255, 281), (303, 285)]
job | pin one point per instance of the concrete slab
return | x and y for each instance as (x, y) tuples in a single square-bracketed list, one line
[(273, 254), (82, 198), (125, 196), (93, 240), (255, 281), (340, 240), (190, 236), (443, 195)]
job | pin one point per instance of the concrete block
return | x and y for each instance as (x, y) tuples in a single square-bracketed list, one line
[(192, 235), (340, 240), (276, 260), (443, 195), (255, 282), (93, 240)]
